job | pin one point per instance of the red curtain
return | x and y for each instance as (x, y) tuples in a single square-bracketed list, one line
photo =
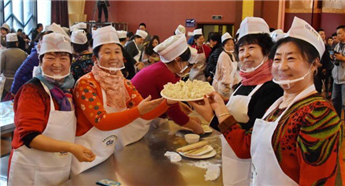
[(59, 13)]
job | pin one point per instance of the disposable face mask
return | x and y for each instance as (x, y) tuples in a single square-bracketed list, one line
[(228, 51), (56, 77), (252, 69), (288, 82), (111, 69), (182, 71)]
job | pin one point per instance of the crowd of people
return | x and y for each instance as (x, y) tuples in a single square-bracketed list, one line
[(277, 128)]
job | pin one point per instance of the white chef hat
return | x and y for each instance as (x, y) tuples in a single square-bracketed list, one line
[(197, 31), (141, 33), (56, 28), (105, 35), (11, 37), (122, 34), (226, 36), (180, 30), (171, 48), (300, 29), (55, 42), (79, 37), (6, 26), (253, 25), (277, 34), (81, 25), (193, 55)]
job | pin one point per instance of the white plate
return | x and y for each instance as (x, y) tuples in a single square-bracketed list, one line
[(208, 129), (176, 99), (209, 152)]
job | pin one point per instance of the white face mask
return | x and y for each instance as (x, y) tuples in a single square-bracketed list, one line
[(56, 77), (252, 69), (182, 71), (228, 51), (110, 69), (288, 82)]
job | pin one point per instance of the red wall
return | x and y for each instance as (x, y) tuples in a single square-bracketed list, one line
[(330, 21), (162, 17)]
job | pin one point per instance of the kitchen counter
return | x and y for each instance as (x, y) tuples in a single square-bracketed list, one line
[(143, 163)]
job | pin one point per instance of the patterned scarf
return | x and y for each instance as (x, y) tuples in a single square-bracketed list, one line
[(114, 87), (60, 91), (259, 76)]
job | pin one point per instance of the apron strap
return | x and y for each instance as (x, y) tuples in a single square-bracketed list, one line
[(52, 106)]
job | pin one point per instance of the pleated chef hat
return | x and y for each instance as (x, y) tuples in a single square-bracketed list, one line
[(172, 48), (105, 35), (197, 31), (55, 42), (253, 25), (79, 37), (300, 29), (180, 30), (5, 26), (226, 36), (56, 29), (122, 34), (81, 25), (141, 33), (11, 37)]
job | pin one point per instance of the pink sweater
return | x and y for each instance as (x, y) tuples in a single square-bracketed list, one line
[(150, 81)]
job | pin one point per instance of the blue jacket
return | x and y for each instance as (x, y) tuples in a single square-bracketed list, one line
[(24, 72)]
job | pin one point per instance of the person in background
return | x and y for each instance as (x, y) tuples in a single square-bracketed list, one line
[(25, 71), (21, 42), (335, 39), (197, 71), (338, 72), (135, 47), (43, 141), (322, 34), (215, 41), (102, 5), (35, 32), (300, 134), (82, 62), (256, 93), (329, 44), (129, 70), (82, 26), (110, 111), (142, 26), (226, 70), (10, 61), (176, 60), (149, 56), (129, 37), (5, 29)]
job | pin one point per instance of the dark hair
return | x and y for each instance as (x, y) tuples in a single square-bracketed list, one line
[(19, 30), (196, 37), (341, 27), (142, 24), (320, 29), (185, 55), (39, 25), (334, 34), (79, 48), (3, 28), (129, 34), (225, 41), (41, 56), (215, 36), (263, 40), (11, 44), (308, 51), (149, 49), (329, 38), (96, 50), (122, 39), (272, 29)]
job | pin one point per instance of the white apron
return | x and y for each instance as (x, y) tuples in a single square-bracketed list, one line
[(197, 72), (137, 57), (34, 167), (102, 143), (218, 84), (265, 167), (236, 171)]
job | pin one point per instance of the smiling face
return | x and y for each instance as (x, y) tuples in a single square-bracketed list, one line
[(110, 56), (250, 56), (289, 64), (56, 64), (229, 45)]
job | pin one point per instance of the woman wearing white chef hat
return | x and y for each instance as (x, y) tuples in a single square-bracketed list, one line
[(226, 70), (176, 60), (203, 51), (250, 100), (110, 110), (298, 140), (134, 48), (45, 121), (82, 58)]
